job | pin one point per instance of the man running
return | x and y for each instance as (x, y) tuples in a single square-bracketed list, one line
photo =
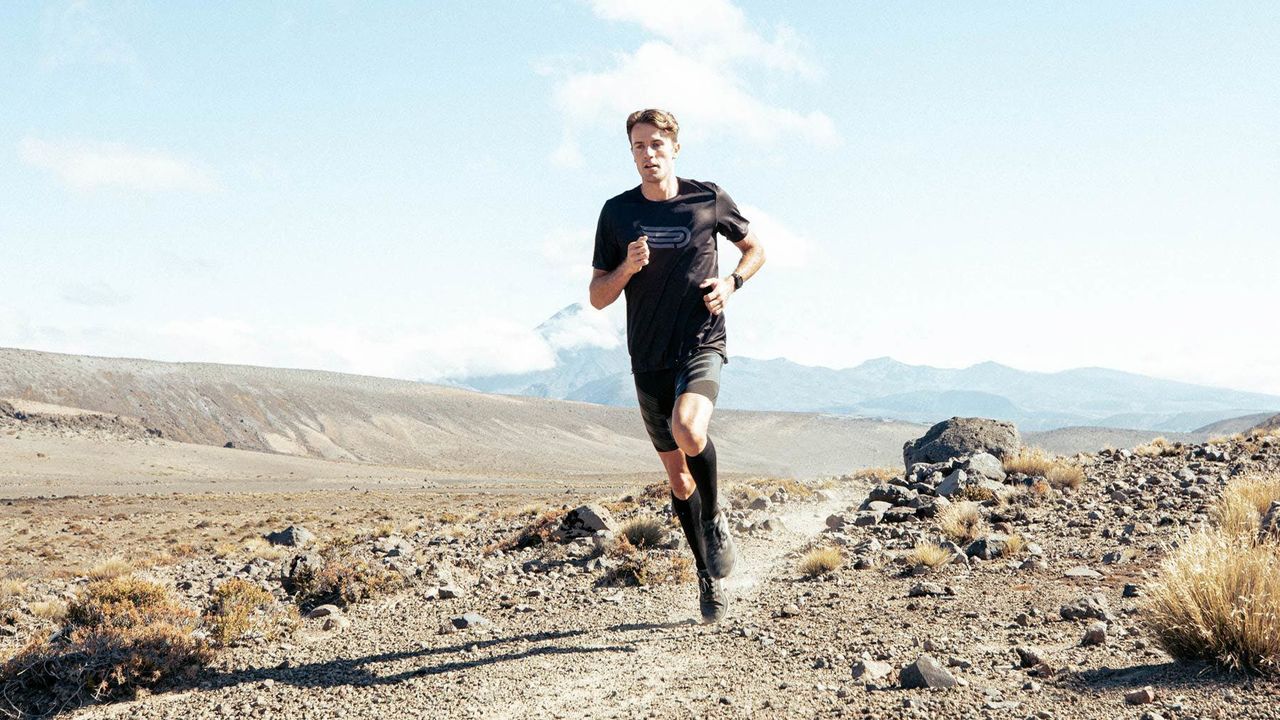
[(657, 242)]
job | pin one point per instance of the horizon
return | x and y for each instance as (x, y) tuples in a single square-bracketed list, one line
[(374, 191)]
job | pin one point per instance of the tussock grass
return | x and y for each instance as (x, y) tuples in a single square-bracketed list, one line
[(12, 588), (1239, 511), (962, 522), (1157, 447), (1218, 595), (52, 610), (384, 529), (1062, 476), (928, 554), (741, 495), (877, 474), (644, 532), (112, 567), (1030, 461), (1015, 545), (122, 634), (820, 561)]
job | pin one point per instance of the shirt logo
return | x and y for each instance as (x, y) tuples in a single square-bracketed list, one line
[(666, 237)]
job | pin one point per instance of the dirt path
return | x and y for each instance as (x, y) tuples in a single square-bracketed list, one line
[(607, 652)]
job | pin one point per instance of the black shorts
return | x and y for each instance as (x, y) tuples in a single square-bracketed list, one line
[(657, 392)]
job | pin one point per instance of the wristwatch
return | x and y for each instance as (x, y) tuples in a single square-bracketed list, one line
[(737, 280)]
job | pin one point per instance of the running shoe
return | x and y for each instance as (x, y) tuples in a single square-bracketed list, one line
[(720, 552), (711, 597)]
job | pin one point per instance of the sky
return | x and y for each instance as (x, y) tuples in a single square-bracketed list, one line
[(409, 189)]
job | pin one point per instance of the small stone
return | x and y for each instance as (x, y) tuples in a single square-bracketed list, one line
[(871, 670), (468, 620), (926, 673), (1029, 657), (1081, 571), (336, 622), (1095, 634), (292, 536), (790, 610), (1141, 697), (324, 611), (925, 589)]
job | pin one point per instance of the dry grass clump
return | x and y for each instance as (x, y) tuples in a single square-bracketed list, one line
[(741, 495), (235, 608), (978, 494), (928, 554), (1218, 596), (1239, 511), (644, 532), (342, 579), (877, 474), (52, 610), (1030, 461), (385, 529), (795, 489), (1158, 447), (1015, 545), (535, 533), (112, 567), (635, 566), (121, 634), (820, 561), (1062, 476), (12, 588), (962, 522)]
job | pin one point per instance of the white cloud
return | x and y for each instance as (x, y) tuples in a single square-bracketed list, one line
[(782, 246), (85, 166), (697, 67), (95, 294)]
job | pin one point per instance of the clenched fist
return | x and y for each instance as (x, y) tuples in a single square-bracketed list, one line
[(715, 293), (637, 255)]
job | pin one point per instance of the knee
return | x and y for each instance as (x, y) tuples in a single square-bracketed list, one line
[(682, 485), (691, 439)]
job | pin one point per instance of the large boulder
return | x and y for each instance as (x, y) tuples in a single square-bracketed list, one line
[(962, 436)]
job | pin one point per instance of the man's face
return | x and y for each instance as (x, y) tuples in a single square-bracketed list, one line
[(654, 153)]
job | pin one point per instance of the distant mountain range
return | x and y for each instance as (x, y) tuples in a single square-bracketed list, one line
[(884, 387)]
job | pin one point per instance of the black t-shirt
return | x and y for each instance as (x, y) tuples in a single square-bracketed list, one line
[(667, 320)]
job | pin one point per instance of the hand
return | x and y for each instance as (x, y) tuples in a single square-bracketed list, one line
[(637, 255), (716, 292)]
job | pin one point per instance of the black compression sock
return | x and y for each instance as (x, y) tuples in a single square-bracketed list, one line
[(689, 510), (703, 469)]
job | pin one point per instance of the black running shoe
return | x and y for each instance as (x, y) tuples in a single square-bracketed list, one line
[(720, 553), (712, 598)]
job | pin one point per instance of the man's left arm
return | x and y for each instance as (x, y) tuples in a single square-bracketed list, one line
[(722, 288)]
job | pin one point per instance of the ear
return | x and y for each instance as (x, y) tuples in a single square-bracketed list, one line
[(675, 149)]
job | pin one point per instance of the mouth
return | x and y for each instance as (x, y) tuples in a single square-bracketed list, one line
[(650, 166)]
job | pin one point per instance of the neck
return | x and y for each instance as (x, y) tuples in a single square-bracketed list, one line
[(663, 190)]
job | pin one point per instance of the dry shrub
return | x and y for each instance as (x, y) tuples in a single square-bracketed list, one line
[(12, 588), (962, 522), (1157, 447), (928, 554), (1239, 511), (795, 489), (385, 529), (122, 634), (820, 561), (536, 533), (741, 495), (1028, 461), (978, 494), (112, 567), (644, 532), (1015, 545), (235, 608), (342, 579), (1218, 600), (258, 547), (1062, 476), (640, 567), (877, 474)]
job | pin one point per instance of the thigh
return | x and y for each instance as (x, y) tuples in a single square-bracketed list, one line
[(656, 394), (697, 387)]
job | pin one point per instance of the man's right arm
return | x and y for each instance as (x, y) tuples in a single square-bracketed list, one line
[(607, 285)]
